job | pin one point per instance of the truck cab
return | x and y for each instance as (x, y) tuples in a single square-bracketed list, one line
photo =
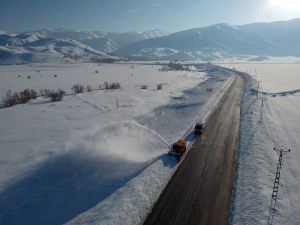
[(199, 127)]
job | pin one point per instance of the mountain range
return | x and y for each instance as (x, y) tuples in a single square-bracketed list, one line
[(64, 44), (222, 41), (254, 41)]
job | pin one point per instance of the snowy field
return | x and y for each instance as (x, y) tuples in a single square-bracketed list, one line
[(83, 161), (97, 157), (280, 127)]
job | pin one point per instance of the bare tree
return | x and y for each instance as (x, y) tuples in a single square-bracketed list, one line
[(78, 88), (9, 99)]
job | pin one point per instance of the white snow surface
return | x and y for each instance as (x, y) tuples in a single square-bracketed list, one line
[(84, 160), (257, 161)]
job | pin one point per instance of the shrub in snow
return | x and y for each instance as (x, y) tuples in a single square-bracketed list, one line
[(165, 68), (106, 86), (33, 94), (9, 99), (45, 92), (55, 75), (78, 88), (57, 96), (96, 71), (26, 95), (22, 97), (115, 86), (29, 77), (19, 75), (89, 88), (159, 86), (144, 86)]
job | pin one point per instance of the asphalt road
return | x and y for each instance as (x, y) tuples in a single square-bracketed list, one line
[(200, 190)]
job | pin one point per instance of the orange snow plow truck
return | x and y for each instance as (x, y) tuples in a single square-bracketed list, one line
[(178, 149)]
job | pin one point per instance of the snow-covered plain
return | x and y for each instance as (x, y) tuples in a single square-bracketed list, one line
[(97, 157), (83, 161), (257, 161)]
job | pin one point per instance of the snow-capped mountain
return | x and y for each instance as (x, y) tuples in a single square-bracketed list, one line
[(101, 44), (220, 41), (54, 44), (63, 33), (16, 40), (213, 42), (118, 39), (284, 33), (125, 38), (25, 48)]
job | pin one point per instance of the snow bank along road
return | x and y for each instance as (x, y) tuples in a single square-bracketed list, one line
[(201, 188)]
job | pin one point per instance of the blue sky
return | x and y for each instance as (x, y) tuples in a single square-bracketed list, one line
[(139, 15)]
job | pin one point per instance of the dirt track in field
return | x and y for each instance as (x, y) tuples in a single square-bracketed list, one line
[(201, 188)]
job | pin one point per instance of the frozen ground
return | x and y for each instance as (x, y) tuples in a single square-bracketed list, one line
[(257, 161), (86, 161)]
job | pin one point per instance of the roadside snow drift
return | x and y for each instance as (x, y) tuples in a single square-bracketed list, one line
[(96, 163)]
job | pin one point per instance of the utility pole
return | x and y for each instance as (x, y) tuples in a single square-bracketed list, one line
[(257, 81), (261, 109), (277, 177)]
